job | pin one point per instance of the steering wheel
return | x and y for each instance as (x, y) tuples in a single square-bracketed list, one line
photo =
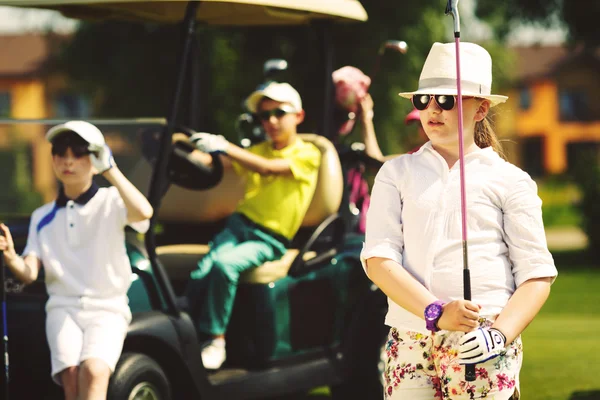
[(183, 169)]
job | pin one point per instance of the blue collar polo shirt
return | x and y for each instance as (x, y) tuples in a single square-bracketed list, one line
[(81, 244)]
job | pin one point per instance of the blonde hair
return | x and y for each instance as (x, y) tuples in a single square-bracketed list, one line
[(485, 136)]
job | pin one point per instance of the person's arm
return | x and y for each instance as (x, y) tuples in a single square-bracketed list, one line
[(256, 163), (367, 129), (200, 156), (26, 269), (138, 207), (403, 289), (208, 143), (532, 264), (522, 307)]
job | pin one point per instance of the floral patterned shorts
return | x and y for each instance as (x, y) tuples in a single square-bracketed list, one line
[(420, 366)]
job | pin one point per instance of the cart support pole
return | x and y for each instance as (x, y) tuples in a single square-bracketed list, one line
[(160, 181), (324, 30)]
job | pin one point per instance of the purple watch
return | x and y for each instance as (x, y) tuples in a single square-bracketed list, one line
[(433, 313)]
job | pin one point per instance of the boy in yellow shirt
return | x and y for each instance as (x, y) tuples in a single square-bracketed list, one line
[(281, 179)]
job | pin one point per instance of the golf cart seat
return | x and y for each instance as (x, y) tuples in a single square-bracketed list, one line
[(213, 205)]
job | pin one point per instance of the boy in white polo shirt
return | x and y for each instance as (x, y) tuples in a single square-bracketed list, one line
[(80, 241)]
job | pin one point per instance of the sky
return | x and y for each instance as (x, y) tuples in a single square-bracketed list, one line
[(15, 20)]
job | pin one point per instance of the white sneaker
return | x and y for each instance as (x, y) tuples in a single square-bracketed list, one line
[(213, 353)]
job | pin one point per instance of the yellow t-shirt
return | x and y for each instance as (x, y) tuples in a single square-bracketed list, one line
[(279, 202)]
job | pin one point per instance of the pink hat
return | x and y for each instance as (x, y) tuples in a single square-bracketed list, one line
[(351, 86), (412, 116)]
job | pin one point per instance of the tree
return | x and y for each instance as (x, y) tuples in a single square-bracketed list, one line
[(129, 69), (579, 16)]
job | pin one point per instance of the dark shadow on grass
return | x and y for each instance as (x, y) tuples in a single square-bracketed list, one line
[(582, 259), (593, 395)]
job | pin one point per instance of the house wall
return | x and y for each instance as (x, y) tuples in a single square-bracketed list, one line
[(542, 119), (29, 101)]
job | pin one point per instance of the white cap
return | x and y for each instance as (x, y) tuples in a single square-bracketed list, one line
[(282, 92), (85, 130)]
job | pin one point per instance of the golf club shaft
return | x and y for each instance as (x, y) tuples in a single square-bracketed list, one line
[(4, 326), (470, 369), (452, 8)]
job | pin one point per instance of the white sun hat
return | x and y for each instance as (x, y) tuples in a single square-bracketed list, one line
[(282, 92), (85, 130), (439, 72)]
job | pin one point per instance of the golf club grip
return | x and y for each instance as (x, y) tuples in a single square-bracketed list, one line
[(469, 369), (467, 284)]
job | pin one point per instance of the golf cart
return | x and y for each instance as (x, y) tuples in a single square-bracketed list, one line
[(310, 319)]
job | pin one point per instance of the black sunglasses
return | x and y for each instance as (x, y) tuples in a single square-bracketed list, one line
[(445, 101), (277, 112), (79, 150)]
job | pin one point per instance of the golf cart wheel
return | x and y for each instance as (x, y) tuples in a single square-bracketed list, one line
[(138, 377), (366, 363), (367, 384)]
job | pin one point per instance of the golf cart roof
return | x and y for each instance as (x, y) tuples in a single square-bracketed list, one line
[(212, 12)]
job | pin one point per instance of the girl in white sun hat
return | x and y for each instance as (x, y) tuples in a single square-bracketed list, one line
[(413, 247)]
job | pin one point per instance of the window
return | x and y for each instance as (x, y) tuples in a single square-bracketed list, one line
[(5, 109), (574, 105), (532, 157), (581, 152), (525, 99), (69, 105)]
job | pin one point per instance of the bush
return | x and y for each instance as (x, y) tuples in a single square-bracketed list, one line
[(560, 199), (587, 176)]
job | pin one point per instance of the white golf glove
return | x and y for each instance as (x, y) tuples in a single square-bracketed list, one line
[(481, 345), (209, 143), (101, 157)]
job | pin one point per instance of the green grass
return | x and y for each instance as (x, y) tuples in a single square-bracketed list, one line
[(559, 202), (562, 345), (561, 215)]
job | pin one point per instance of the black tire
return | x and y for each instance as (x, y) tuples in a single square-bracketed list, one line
[(365, 363), (366, 383), (138, 377)]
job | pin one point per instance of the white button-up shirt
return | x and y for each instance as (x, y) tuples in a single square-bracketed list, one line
[(415, 219)]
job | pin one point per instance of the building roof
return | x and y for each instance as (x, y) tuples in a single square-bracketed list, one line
[(23, 55), (542, 61), (537, 61)]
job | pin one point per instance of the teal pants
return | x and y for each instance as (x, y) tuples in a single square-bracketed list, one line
[(211, 291)]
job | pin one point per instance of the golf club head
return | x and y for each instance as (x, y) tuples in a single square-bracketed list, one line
[(273, 66), (452, 9), (249, 130), (397, 45)]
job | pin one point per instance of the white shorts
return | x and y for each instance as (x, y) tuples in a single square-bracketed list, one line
[(75, 335)]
